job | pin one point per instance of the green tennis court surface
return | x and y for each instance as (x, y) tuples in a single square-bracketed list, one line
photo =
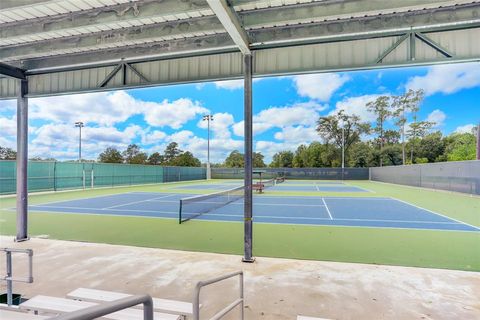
[(455, 249)]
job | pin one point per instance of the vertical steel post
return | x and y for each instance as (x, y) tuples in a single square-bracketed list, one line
[(9, 281), (478, 141), (22, 161), (343, 152), (248, 205)]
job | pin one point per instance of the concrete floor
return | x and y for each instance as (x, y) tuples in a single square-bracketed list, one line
[(274, 288)]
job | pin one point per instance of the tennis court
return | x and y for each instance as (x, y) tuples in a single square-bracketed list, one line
[(289, 186), (378, 212)]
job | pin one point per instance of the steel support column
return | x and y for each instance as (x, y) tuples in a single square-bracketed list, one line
[(22, 161), (478, 141), (248, 206)]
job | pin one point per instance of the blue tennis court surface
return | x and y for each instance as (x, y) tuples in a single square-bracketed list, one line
[(335, 211), (324, 186)]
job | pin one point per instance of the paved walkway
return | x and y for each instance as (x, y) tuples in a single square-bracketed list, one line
[(275, 288)]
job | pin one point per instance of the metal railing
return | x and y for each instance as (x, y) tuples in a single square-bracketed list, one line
[(110, 307), (227, 309), (9, 278)]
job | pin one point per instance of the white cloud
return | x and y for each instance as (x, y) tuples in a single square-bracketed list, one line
[(173, 114), (297, 134), (447, 79), (220, 125), (437, 116), (61, 140), (305, 114), (468, 128), (357, 106), (8, 126), (319, 86), (231, 84), (107, 108), (101, 108), (153, 137)]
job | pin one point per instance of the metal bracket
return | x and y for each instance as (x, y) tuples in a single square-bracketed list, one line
[(122, 66)]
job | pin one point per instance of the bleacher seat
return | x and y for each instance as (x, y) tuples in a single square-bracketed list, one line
[(162, 305), (49, 304)]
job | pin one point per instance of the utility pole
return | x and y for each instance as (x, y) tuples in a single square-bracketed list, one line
[(79, 125), (208, 118)]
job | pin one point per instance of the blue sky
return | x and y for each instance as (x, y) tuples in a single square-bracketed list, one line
[(285, 111)]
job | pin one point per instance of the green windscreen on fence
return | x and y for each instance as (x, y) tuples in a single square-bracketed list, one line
[(51, 175), (296, 173)]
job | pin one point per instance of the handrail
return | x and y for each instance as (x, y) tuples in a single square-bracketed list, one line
[(9, 278), (103, 309), (227, 309)]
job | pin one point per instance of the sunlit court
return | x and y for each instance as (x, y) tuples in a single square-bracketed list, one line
[(239, 159)]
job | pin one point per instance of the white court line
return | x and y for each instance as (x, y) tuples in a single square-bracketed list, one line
[(328, 210), (81, 208), (316, 186), (269, 222), (436, 213), (134, 202)]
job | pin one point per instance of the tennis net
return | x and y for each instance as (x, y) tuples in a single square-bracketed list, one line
[(195, 206)]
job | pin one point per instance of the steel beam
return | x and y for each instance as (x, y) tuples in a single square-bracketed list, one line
[(229, 20), (11, 71), (124, 37), (22, 161), (323, 11), (248, 137)]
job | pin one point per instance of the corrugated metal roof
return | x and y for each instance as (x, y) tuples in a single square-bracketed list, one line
[(52, 8), (64, 27)]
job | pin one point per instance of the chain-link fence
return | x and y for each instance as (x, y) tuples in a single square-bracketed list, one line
[(51, 175), (296, 173), (458, 176)]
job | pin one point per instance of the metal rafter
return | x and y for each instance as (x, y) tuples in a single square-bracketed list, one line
[(229, 20), (11, 71)]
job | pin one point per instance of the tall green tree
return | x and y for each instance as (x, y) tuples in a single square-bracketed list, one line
[(258, 160), (416, 131), (171, 152), (7, 154), (186, 159), (299, 158), (156, 159), (431, 147), (381, 108), (110, 155), (282, 159), (234, 160), (403, 104), (461, 146), (330, 129), (134, 155)]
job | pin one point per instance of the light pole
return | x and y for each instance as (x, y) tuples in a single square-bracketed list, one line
[(79, 125), (208, 118)]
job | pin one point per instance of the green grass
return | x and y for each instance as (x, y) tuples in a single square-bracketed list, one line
[(422, 248)]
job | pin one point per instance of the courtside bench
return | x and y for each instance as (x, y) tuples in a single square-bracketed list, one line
[(184, 309), (56, 305)]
